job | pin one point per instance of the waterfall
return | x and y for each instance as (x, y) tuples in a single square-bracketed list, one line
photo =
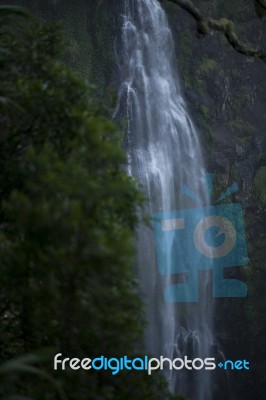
[(164, 155)]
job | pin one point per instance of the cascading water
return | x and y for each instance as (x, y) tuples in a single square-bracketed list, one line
[(164, 155)]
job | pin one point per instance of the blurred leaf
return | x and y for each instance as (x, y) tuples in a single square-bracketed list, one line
[(25, 365), (13, 10)]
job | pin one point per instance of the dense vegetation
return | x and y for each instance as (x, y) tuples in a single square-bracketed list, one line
[(67, 218)]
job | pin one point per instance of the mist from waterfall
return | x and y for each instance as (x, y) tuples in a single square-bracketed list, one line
[(164, 155)]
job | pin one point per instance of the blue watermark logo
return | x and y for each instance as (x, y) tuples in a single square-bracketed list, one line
[(197, 239), (230, 365), (145, 363)]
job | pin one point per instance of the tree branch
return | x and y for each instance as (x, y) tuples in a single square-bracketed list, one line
[(223, 25), (262, 3), (260, 8)]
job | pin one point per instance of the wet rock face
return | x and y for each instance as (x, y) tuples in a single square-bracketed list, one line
[(226, 93), (225, 90)]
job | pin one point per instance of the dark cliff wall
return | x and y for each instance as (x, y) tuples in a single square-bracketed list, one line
[(89, 27), (226, 93)]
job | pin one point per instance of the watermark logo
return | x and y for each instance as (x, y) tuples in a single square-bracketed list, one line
[(204, 238), (145, 363)]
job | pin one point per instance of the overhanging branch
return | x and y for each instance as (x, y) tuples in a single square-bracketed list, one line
[(223, 25), (262, 3)]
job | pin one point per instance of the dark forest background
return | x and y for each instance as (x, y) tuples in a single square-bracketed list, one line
[(68, 211)]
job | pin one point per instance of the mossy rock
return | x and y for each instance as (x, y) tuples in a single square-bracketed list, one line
[(260, 184)]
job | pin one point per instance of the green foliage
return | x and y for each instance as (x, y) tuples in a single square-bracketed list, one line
[(260, 184), (204, 124), (205, 110), (67, 217), (184, 39), (29, 365), (207, 65), (239, 125)]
